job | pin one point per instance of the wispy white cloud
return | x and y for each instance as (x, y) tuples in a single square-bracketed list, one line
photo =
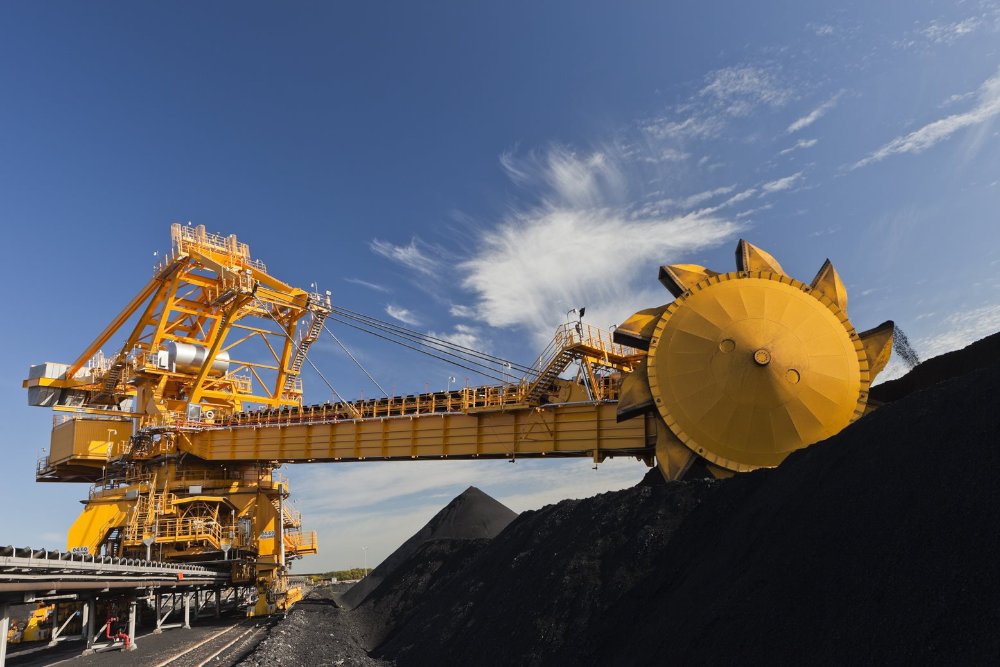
[(800, 144), (741, 89), (692, 127), (463, 335), (814, 115), (947, 32), (825, 231), (365, 283), (402, 314), (940, 32), (726, 94), (410, 255), (580, 245), (958, 97), (959, 329), (658, 207), (780, 184), (702, 197), (665, 155), (749, 212), (458, 310), (568, 179), (987, 107), (741, 196), (823, 29)]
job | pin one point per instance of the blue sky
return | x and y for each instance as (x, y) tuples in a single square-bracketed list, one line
[(476, 171)]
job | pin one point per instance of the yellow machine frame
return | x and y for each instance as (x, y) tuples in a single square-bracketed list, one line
[(181, 431)]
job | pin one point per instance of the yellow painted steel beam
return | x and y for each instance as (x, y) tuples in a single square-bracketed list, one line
[(220, 329), (566, 430), (116, 323)]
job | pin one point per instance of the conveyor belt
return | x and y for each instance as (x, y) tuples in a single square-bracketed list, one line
[(42, 571)]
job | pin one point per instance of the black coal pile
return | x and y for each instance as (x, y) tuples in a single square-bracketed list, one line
[(879, 545), (315, 632), (471, 515), (394, 602), (536, 593), (939, 369)]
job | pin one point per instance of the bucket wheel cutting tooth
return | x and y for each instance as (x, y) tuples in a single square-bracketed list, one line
[(743, 368)]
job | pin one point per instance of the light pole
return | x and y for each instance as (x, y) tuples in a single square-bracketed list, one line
[(107, 458), (111, 432)]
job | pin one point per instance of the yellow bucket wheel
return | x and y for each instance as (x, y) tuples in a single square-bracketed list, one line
[(743, 368)]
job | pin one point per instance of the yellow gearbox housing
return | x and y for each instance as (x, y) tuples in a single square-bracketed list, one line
[(743, 368)]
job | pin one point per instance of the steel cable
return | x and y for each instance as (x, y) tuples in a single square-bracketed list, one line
[(430, 341)]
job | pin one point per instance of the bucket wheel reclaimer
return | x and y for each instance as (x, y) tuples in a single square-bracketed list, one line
[(743, 368)]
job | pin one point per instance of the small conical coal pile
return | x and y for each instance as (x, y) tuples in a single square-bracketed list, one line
[(471, 515)]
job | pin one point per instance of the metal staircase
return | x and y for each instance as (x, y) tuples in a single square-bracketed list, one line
[(543, 383), (315, 329), (575, 341)]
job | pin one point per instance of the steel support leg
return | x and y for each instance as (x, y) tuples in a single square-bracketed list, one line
[(132, 611), (159, 622), (4, 626), (90, 611), (218, 602), (57, 631), (187, 611)]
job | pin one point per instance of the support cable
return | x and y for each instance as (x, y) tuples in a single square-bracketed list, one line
[(348, 353), (428, 340), (297, 348), (395, 337), (440, 358)]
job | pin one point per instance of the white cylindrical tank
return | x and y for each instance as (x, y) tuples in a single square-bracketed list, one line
[(188, 358)]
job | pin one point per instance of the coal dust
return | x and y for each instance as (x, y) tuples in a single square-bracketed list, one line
[(901, 346)]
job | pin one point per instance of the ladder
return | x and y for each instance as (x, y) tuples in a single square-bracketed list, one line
[(548, 376), (315, 329)]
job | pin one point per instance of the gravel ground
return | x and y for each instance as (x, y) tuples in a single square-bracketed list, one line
[(315, 632)]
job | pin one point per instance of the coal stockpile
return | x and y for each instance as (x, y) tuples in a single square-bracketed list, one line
[(471, 515), (878, 545), (939, 369), (539, 592), (431, 567), (315, 632)]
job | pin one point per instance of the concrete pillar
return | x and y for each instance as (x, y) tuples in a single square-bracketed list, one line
[(132, 612), (4, 626), (218, 602), (90, 611), (187, 612)]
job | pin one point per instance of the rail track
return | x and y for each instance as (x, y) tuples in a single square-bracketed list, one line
[(222, 648)]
